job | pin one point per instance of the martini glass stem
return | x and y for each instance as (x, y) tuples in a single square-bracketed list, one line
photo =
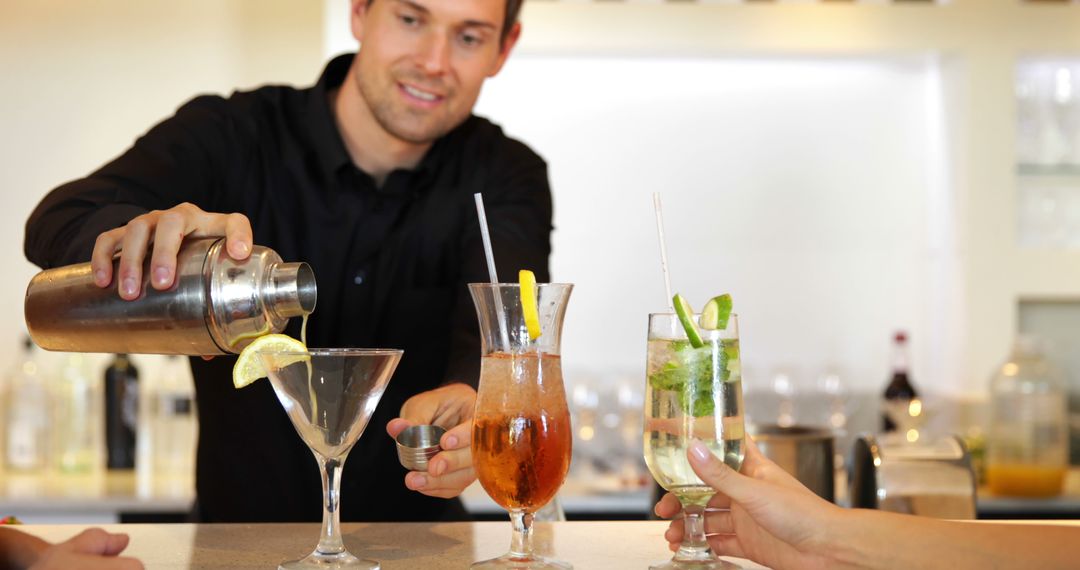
[(330, 539), (521, 541)]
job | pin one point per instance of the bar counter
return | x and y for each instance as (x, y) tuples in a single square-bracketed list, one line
[(610, 545)]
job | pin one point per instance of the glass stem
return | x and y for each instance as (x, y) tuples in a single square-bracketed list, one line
[(694, 545), (521, 542), (330, 539)]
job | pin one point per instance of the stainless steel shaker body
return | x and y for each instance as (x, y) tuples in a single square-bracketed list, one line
[(216, 305)]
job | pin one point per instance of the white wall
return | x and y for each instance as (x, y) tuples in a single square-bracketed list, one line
[(803, 187)]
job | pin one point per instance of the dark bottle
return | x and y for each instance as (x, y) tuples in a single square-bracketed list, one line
[(121, 412), (899, 392)]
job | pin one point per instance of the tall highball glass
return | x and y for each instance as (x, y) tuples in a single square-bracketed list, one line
[(691, 393), (521, 439)]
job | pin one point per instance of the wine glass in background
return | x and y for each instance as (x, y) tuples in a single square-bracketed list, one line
[(522, 439), (783, 386), (329, 395), (831, 385), (691, 393)]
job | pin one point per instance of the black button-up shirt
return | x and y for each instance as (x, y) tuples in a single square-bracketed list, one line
[(391, 264)]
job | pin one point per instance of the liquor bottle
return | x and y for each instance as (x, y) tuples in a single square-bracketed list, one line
[(217, 305), (121, 412), (26, 421), (899, 392)]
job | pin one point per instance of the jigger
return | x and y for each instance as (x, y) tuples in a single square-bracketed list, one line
[(417, 444)]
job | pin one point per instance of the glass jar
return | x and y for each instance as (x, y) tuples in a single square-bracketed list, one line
[(1028, 441)]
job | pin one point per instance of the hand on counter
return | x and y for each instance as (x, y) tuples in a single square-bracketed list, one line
[(451, 470), (765, 515), (91, 549)]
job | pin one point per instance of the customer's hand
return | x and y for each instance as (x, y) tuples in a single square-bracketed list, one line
[(765, 515), (450, 407), (165, 229), (91, 549)]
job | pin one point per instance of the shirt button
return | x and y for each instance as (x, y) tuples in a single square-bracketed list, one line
[(360, 277)]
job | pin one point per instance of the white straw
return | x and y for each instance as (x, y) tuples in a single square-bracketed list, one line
[(486, 237), (500, 312), (663, 248)]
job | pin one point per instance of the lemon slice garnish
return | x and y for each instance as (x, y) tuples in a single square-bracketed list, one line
[(249, 367), (528, 303)]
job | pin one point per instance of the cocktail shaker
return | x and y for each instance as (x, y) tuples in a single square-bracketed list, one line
[(216, 305)]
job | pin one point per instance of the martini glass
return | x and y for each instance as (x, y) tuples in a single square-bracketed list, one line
[(330, 394)]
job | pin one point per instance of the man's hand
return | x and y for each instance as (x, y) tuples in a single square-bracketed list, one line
[(166, 229), (92, 549), (450, 407)]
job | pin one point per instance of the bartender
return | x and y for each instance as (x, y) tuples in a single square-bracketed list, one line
[(368, 176)]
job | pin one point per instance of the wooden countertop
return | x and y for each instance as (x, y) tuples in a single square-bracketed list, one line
[(614, 545)]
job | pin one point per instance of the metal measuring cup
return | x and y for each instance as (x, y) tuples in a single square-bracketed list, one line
[(417, 444)]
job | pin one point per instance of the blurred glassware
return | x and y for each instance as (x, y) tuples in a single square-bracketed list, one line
[(783, 385), (632, 470), (584, 409), (837, 398)]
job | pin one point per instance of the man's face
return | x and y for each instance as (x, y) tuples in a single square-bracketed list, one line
[(422, 62)]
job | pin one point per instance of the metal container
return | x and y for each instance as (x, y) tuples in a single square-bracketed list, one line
[(932, 479), (216, 305), (805, 452), (418, 444)]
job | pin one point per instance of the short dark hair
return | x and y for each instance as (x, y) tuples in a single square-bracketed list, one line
[(513, 8)]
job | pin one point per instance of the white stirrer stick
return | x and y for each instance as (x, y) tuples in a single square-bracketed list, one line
[(663, 248), (497, 293)]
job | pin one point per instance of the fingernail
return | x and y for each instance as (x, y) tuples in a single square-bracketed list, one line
[(100, 278), (161, 275), (129, 285), (418, 482), (451, 442), (242, 248), (699, 450), (437, 468)]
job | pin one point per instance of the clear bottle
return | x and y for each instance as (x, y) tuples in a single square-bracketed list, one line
[(174, 421), (74, 438), (26, 417), (900, 392), (1028, 441)]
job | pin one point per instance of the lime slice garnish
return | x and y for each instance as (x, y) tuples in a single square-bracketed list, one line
[(527, 281), (716, 313), (249, 367), (686, 317)]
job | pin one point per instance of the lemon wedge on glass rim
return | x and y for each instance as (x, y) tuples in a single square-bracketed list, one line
[(249, 366), (527, 282)]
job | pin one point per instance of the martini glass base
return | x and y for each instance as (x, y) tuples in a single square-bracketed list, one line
[(511, 562), (342, 560)]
